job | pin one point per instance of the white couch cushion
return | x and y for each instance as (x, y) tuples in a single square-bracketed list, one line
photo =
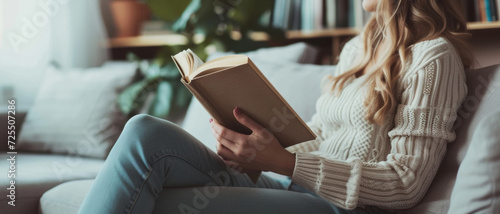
[(65, 198), (37, 173), (75, 111), (477, 189)]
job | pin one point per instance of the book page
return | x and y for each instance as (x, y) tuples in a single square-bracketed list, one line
[(194, 60), (219, 64)]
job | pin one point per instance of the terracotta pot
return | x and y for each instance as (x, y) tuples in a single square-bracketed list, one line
[(129, 16)]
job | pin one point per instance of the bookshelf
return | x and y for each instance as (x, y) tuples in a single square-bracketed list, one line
[(337, 36), (178, 39), (483, 25)]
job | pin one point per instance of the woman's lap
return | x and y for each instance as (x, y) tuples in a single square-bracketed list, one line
[(152, 156)]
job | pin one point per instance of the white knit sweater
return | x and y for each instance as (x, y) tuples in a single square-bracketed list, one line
[(354, 162)]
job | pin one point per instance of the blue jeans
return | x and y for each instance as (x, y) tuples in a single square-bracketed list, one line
[(156, 166)]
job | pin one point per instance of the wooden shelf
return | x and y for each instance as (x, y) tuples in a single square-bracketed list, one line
[(483, 25), (148, 41), (177, 39), (297, 34), (322, 33)]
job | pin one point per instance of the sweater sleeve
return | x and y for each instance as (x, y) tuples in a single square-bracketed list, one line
[(431, 96)]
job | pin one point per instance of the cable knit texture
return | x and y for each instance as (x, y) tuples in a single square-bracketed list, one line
[(354, 162)]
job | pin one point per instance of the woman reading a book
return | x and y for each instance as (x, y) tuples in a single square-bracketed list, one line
[(382, 128)]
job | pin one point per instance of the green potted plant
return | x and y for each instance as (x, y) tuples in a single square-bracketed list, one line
[(208, 25)]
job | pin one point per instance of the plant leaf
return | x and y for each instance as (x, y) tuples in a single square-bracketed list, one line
[(162, 103), (130, 99), (168, 10), (133, 97), (183, 97), (182, 22)]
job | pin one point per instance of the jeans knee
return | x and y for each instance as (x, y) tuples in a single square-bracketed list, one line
[(139, 120), (144, 123), (147, 131)]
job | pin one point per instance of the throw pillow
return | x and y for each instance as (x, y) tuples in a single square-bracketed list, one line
[(75, 111)]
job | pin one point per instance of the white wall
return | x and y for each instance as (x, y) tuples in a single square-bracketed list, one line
[(36, 32), (23, 56)]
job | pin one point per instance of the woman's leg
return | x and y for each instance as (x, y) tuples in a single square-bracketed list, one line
[(239, 200), (152, 154)]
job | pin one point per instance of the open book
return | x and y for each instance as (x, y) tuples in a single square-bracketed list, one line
[(226, 82)]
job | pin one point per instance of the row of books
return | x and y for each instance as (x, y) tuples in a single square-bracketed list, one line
[(482, 10), (311, 15)]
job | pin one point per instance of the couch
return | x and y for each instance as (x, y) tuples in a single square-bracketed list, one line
[(41, 189), (74, 122)]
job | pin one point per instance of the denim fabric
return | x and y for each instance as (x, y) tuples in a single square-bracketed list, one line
[(154, 156)]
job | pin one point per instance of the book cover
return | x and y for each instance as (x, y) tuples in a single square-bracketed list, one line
[(287, 13), (351, 14), (469, 8), (494, 11), (477, 10), (331, 12), (278, 13), (342, 13), (318, 15), (497, 3), (488, 9), (296, 15), (482, 11), (307, 16), (359, 14)]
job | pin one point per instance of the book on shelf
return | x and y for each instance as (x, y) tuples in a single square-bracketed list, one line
[(342, 13), (296, 18), (331, 10), (495, 10), (482, 10), (307, 15), (350, 13), (489, 12), (281, 14), (226, 82)]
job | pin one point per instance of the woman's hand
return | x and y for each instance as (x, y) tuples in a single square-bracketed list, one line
[(259, 151)]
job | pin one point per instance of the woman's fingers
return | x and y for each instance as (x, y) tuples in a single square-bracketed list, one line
[(246, 120), (238, 151), (221, 141), (225, 153), (227, 136)]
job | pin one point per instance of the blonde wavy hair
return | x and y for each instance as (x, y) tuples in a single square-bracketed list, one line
[(402, 23)]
